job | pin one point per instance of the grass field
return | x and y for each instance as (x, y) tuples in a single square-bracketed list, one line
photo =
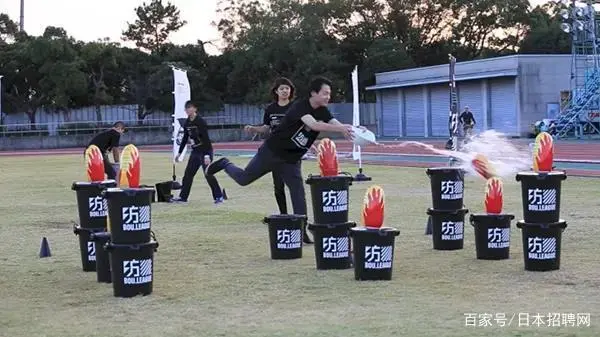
[(214, 277)]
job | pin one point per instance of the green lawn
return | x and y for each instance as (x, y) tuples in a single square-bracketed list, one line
[(214, 277)]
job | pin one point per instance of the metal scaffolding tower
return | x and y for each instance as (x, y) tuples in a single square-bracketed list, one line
[(579, 116)]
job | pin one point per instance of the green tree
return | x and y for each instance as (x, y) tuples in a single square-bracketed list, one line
[(544, 35), (155, 22)]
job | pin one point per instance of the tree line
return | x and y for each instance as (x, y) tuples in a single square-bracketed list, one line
[(263, 40)]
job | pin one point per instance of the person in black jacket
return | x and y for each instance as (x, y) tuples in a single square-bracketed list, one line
[(196, 131), (283, 93), (468, 121), (108, 140)]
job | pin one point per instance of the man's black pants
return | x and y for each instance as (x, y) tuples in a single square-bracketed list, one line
[(266, 161), (279, 189), (194, 163)]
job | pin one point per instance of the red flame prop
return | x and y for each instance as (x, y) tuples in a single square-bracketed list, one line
[(483, 167), (543, 153), (493, 196), (327, 158), (94, 163), (129, 173), (373, 207)]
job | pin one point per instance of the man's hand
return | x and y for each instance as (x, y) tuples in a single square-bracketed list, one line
[(179, 158), (206, 160), (347, 131), (249, 128)]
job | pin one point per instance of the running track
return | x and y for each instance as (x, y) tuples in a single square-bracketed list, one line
[(577, 158)]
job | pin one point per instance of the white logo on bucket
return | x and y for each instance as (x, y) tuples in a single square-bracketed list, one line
[(452, 231), (334, 201), (91, 251), (498, 237), (136, 218), (289, 238), (137, 271), (541, 200), (378, 257), (97, 207), (335, 248), (541, 248), (451, 190)]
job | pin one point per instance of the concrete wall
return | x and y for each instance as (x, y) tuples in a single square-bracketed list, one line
[(541, 79), (137, 138)]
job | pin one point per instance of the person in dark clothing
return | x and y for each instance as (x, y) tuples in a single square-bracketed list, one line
[(108, 140), (283, 150), (468, 121), (283, 93), (196, 130)]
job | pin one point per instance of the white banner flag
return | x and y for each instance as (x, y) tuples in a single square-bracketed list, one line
[(355, 110), (181, 94)]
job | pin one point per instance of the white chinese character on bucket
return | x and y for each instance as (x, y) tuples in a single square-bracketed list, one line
[(451, 189), (289, 238)]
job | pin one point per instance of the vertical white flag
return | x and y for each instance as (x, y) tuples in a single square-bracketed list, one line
[(355, 110), (181, 94)]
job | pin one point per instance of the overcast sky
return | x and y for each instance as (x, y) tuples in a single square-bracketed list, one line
[(88, 20)]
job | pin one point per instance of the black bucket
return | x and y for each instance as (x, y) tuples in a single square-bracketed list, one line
[(102, 261), (153, 194), (447, 187), (373, 252), (129, 214), (90, 202), (132, 268), (285, 235), (163, 191), (330, 198), (332, 245), (540, 194), (492, 235), (542, 244), (87, 247), (448, 228)]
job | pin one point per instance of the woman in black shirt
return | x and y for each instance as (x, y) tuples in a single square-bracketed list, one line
[(283, 93)]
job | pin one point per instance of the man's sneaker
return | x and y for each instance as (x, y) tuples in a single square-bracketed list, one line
[(219, 201), (177, 200), (216, 166)]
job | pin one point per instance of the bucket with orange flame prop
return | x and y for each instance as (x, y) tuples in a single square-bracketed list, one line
[(373, 207), (327, 158), (483, 167), (94, 163), (493, 196), (129, 173), (543, 153)]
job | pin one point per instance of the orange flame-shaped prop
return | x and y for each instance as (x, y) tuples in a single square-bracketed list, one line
[(543, 153), (129, 172), (482, 166), (493, 196), (94, 163), (327, 158), (373, 206)]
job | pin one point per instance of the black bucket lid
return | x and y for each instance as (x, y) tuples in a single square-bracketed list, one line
[(500, 216), (98, 236), (79, 185), (331, 225), (431, 211), (383, 231), (559, 224), (268, 219), (444, 169), (131, 246), (541, 175), (107, 193), (342, 176)]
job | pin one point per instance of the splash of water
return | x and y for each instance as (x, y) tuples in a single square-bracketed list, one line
[(503, 156)]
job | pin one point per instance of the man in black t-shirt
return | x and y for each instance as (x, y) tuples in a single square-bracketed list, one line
[(289, 141), (468, 121), (108, 140), (196, 131)]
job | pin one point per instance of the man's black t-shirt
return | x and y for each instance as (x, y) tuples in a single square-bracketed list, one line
[(196, 130), (467, 117), (274, 113), (106, 140), (291, 139)]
